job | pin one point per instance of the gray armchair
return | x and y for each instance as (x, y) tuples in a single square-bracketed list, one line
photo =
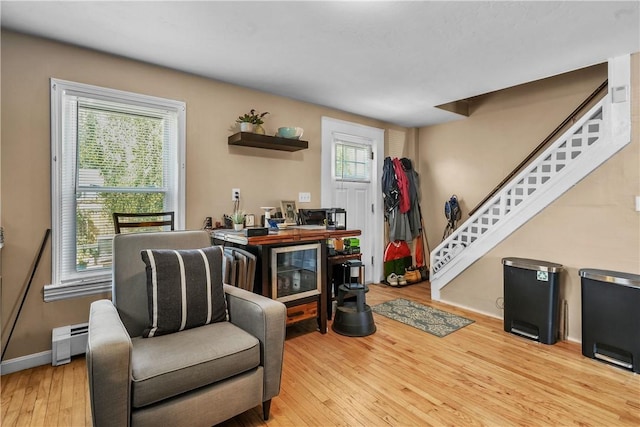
[(199, 376)]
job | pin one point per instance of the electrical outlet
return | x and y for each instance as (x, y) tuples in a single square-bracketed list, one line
[(304, 197), (235, 194)]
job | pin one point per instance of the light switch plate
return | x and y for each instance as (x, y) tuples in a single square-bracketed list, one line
[(619, 94), (304, 197), (637, 203)]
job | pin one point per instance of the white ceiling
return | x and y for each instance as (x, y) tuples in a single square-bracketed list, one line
[(393, 61)]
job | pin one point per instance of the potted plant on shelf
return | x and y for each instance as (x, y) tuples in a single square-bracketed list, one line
[(252, 121), (238, 220)]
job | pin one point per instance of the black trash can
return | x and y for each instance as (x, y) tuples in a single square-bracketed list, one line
[(611, 317), (531, 298)]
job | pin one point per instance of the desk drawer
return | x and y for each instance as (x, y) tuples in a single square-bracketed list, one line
[(302, 312)]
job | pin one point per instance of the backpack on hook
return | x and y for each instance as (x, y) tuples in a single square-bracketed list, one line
[(453, 214)]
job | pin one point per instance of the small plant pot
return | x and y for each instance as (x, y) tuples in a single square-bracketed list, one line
[(238, 227), (246, 127)]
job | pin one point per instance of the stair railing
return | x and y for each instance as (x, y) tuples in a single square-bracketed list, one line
[(517, 195), (599, 92), (596, 136)]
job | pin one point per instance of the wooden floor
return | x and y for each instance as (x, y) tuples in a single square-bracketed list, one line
[(398, 376)]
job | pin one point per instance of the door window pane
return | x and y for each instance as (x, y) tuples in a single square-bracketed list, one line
[(352, 161)]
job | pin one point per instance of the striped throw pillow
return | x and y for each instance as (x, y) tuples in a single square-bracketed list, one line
[(184, 288)]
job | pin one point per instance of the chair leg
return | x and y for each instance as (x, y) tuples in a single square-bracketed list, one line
[(266, 407)]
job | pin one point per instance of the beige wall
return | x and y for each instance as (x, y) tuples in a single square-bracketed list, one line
[(593, 225), (213, 168), (458, 157)]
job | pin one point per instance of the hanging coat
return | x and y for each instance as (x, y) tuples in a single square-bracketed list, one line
[(390, 191), (414, 197), (399, 227), (403, 186), (393, 178)]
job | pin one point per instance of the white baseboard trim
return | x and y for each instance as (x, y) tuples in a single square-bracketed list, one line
[(485, 313), (475, 310), (574, 340), (25, 362)]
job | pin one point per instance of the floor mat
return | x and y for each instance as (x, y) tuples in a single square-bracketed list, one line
[(428, 319)]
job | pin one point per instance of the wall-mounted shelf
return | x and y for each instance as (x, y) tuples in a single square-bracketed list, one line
[(248, 139)]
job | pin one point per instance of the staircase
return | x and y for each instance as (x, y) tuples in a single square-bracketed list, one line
[(595, 137)]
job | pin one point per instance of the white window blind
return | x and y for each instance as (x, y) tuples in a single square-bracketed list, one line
[(352, 160), (112, 151)]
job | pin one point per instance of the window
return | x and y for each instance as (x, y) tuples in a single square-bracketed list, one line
[(351, 160), (112, 151)]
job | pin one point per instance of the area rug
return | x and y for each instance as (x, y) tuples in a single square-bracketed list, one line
[(427, 319)]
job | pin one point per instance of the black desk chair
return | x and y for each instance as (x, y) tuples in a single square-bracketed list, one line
[(157, 220)]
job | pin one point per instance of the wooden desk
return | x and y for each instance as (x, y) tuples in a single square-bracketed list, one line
[(261, 246)]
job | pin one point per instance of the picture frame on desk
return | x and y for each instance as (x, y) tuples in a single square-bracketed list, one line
[(289, 211)]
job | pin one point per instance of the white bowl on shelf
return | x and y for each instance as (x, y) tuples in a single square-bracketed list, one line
[(290, 132)]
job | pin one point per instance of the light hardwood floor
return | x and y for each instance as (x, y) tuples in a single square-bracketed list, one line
[(398, 376)]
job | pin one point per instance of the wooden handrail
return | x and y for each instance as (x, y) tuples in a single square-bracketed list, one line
[(542, 145)]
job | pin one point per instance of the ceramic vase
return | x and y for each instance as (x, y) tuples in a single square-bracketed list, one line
[(246, 127)]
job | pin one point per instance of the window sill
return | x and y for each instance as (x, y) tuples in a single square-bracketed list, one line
[(75, 290)]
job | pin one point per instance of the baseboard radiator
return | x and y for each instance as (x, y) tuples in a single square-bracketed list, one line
[(67, 341)]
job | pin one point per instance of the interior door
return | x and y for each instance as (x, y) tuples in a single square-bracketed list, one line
[(351, 166)]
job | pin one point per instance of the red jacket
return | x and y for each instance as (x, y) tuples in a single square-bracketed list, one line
[(403, 185)]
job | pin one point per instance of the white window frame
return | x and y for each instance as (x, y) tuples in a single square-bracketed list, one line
[(92, 283), (344, 140)]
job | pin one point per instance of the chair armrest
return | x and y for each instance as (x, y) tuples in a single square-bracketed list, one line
[(265, 319), (108, 366)]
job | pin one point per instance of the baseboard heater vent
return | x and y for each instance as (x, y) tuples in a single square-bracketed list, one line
[(67, 341)]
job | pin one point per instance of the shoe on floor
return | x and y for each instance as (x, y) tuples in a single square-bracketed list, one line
[(392, 279), (401, 280)]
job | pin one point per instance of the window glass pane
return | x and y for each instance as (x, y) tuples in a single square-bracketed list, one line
[(339, 172), (119, 150), (94, 222), (115, 150), (349, 170), (352, 161), (348, 154), (93, 234)]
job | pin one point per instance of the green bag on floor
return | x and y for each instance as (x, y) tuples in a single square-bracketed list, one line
[(397, 266), (397, 257)]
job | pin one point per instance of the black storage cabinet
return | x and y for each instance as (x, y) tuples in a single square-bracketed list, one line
[(531, 298), (611, 317)]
